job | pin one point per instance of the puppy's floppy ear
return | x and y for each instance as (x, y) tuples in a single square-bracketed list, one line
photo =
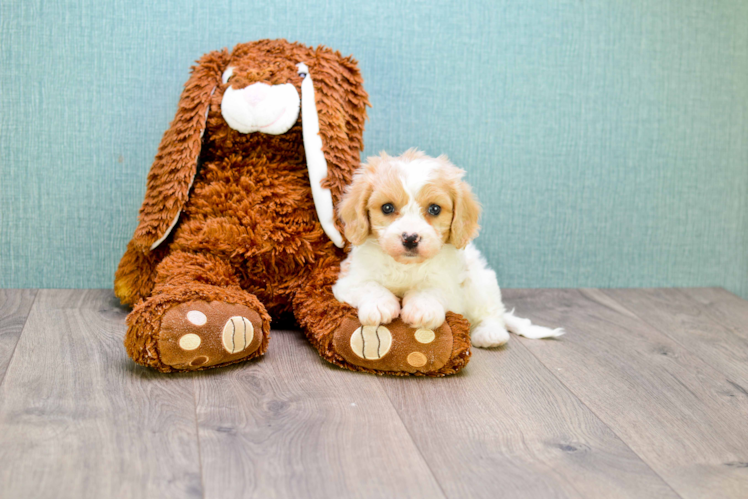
[(175, 166), (353, 211), (465, 215)]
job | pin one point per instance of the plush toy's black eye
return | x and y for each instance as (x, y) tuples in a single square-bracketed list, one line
[(388, 208), (302, 75), (435, 209)]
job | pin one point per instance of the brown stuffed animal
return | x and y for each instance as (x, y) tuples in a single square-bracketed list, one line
[(238, 222)]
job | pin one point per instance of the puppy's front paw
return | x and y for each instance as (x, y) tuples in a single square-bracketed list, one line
[(489, 333), (379, 311), (423, 312)]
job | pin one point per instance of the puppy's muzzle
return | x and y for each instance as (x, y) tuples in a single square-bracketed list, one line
[(410, 241)]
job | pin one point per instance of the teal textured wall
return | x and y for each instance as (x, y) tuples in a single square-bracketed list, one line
[(608, 140)]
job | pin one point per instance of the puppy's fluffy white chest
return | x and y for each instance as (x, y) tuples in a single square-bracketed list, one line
[(447, 271)]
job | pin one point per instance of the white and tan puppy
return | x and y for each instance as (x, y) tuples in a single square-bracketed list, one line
[(411, 220)]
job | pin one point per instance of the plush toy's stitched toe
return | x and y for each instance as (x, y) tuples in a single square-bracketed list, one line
[(371, 342)]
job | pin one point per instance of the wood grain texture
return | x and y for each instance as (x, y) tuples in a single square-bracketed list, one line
[(14, 309), (722, 307), (292, 425), (642, 398), (714, 330), (507, 428), (679, 414), (79, 419)]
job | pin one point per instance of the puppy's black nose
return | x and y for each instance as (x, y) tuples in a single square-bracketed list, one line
[(410, 241)]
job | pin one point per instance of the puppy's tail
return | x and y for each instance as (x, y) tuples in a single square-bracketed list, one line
[(524, 327)]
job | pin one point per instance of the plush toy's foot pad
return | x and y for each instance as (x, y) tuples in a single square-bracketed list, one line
[(394, 348), (200, 334)]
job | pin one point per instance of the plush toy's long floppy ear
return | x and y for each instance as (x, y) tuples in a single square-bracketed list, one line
[(341, 103), (174, 168)]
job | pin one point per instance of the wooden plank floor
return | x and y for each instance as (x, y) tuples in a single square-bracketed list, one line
[(645, 396)]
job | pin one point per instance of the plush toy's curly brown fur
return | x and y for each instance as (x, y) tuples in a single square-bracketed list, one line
[(247, 231)]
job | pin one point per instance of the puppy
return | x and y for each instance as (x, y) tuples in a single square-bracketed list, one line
[(411, 220)]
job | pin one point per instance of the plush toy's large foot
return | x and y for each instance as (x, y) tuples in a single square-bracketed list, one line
[(398, 349), (200, 334), (193, 333), (393, 349)]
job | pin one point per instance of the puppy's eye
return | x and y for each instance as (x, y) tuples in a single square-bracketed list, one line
[(434, 209), (388, 208)]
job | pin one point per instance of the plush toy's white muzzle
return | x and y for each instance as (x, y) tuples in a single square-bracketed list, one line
[(270, 109)]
